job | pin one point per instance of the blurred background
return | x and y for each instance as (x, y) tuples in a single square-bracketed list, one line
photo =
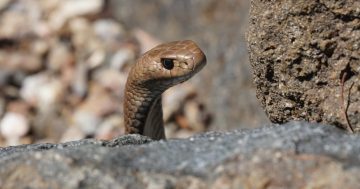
[(64, 63)]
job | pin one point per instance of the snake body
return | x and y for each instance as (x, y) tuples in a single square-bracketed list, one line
[(155, 71)]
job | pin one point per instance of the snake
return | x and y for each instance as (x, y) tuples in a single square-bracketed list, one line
[(158, 69)]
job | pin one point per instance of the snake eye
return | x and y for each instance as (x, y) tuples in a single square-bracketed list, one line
[(167, 63)]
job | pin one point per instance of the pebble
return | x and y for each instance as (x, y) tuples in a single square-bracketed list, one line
[(146, 40), (59, 56), (174, 97), (111, 127), (13, 126), (122, 57), (42, 91), (87, 121), (72, 8), (71, 134), (2, 105), (79, 84), (4, 3), (39, 47), (19, 61), (81, 32), (193, 116), (112, 79), (108, 30), (89, 114), (13, 24)]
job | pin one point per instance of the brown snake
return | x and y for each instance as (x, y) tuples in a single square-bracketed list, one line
[(155, 71)]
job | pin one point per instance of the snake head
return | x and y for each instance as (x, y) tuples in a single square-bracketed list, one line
[(169, 64)]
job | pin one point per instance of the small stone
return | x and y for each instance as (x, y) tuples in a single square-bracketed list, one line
[(184, 134), (39, 47), (4, 3), (73, 8), (71, 134), (193, 116), (13, 126), (86, 120), (20, 61), (182, 121), (108, 30), (42, 91), (2, 105), (174, 97), (98, 104), (96, 59), (42, 29), (13, 24), (80, 29), (59, 56), (122, 57), (79, 84), (110, 128), (146, 40), (19, 106), (112, 79)]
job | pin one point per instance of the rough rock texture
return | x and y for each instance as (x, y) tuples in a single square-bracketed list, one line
[(225, 84), (296, 155), (301, 51)]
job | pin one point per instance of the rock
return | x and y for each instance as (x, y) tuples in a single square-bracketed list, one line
[(49, 126), (193, 114), (303, 53), (108, 30), (182, 106), (146, 40), (81, 31), (174, 98), (59, 56), (14, 24), (86, 120), (96, 59), (89, 114), (13, 126), (300, 52), (111, 79), (68, 9), (19, 61), (72, 134), (2, 106), (4, 3), (42, 90), (39, 47), (79, 83), (121, 57), (111, 127), (296, 155), (20, 107)]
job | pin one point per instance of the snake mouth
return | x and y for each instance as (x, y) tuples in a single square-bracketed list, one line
[(199, 65)]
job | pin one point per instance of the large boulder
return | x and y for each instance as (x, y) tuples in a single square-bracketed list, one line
[(296, 155), (306, 60)]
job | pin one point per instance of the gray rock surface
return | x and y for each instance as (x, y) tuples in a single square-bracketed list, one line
[(303, 53), (225, 85), (295, 155)]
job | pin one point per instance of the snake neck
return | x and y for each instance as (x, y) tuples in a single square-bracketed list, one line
[(143, 111)]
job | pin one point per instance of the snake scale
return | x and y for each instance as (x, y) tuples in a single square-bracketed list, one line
[(155, 71)]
